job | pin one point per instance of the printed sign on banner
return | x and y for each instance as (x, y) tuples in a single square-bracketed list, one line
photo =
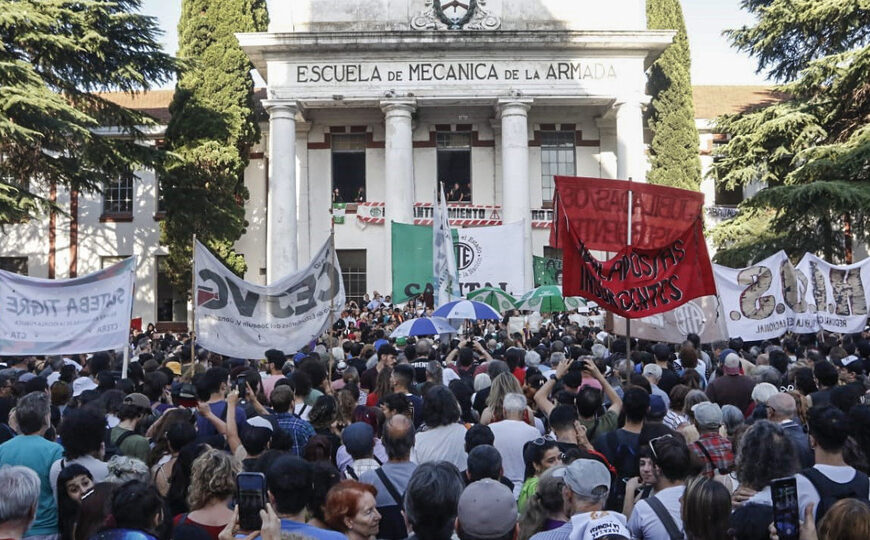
[(547, 271), (481, 253), (758, 300), (835, 298), (701, 316), (66, 316), (242, 319)]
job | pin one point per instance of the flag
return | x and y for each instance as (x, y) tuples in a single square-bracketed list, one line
[(446, 277)]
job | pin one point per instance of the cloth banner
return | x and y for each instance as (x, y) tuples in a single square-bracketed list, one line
[(482, 255), (444, 272), (771, 297), (700, 316), (67, 316), (665, 266), (547, 271), (242, 319)]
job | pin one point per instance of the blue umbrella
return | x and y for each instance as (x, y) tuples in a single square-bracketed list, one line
[(466, 309), (424, 326)]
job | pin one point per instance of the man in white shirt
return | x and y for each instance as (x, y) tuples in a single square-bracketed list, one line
[(652, 518), (511, 434)]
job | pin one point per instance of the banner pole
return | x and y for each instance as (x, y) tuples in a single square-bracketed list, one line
[(126, 359), (332, 286), (193, 306), (628, 234)]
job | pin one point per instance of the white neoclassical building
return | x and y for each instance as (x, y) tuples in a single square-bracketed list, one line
[(372, 103)]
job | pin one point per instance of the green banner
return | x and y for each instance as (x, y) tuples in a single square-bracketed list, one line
[(412, 260), (338, 212), (547, 271)]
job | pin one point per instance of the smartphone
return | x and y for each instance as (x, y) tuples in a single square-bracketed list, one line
[(242, 386), (251, 498), (786, 515)]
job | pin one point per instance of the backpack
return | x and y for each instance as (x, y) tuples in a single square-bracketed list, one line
[(625, 462), (830, 492), (392, 521), (114, 449)]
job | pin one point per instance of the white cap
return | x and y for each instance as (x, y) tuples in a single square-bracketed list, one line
[(82, 384)]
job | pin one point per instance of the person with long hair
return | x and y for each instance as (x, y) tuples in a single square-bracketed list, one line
[(503, 385), (539, 455), (705, 511), (176, 436), (73, 482), (545, 509), (212, 486), (383, 386), (94, 510), (351, 510)]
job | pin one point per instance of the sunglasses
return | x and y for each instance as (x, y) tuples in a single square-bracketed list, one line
[(652, 445), (541, 441)]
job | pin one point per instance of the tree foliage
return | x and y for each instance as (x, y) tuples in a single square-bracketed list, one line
[(671, 115), (56, 56), (212, 129), (813, 148)]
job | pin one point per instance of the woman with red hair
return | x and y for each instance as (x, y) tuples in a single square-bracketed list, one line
[(350, 509)]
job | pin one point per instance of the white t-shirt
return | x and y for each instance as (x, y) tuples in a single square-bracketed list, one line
[(98, 469), (806, 491), (644, 524), (510, 436), (302, 410), (443, 443)]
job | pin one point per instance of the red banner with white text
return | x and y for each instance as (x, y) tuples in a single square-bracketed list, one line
[(665, 266)]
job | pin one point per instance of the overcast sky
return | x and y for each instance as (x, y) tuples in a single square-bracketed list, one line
[(713, 60)]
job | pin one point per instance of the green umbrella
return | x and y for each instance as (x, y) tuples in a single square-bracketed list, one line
[(548, 299), (494, 297)]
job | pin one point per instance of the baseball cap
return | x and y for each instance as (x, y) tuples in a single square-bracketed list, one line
[(358, 438), (595, 525), (652, 369), (174, 367), (137, 399), (851, 362), (657, 407), (707, 414), (487, 509), (583, 476), (260, 422)]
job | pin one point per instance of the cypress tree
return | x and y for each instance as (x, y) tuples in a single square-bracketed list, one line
[(673, 151), (812, 149), (212, 129)]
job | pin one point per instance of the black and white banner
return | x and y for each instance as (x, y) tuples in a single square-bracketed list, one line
[(242, 319), (773, 296)]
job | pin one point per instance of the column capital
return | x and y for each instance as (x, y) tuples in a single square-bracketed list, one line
[(511, 106), (401, 106), (281, 108)]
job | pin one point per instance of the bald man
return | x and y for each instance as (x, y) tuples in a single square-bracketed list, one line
[(782, 410)]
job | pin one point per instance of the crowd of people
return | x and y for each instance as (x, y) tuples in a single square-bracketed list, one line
[(546, 434)]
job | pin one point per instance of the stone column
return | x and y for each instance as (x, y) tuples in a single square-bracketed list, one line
[(398, 172), (630, 152), (516, 200), (281, 242)]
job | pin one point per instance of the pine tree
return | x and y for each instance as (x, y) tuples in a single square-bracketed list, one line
[(813, 148), (671, 116), (212, 129), (57, 55)]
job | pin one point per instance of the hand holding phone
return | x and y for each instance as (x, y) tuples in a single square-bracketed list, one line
[(242, 385)]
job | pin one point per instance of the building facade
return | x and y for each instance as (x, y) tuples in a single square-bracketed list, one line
[(372, 104)]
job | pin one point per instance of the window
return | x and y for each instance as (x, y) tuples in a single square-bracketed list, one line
[(108, 261), (353, 272), (557, 159), (348, 168), (161, 200), (728, 197), (171, 303), (17, 265), (118, 196), (454, 164)]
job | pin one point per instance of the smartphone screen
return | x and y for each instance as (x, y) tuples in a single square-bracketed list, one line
[(242, 384), (786, 515), (251, 498)]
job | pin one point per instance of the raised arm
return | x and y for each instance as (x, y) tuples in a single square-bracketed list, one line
[(615, 400), (542, 396)]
